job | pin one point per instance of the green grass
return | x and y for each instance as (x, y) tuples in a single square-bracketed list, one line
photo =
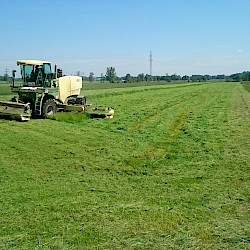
[(246, 85), (107, 85), (4, 90), (71, 117), (169, 171)]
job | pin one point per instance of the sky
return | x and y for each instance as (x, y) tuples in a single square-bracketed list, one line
[(185, 36)]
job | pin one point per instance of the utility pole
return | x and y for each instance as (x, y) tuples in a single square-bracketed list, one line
[(6, 76), (151, 62)]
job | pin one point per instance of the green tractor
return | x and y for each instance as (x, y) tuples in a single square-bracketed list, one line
[(42, 93)]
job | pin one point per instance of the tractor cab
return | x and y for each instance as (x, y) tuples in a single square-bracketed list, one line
[(36, 73)]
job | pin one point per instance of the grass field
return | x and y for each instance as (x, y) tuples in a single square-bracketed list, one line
[(170, 171), (246, 85), (4, 89)]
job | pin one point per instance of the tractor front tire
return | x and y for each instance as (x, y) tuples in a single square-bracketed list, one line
[(49, 108)]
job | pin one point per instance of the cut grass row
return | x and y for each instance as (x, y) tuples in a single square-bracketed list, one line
[(170, 171)]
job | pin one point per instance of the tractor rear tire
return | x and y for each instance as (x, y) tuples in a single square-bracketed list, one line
[(49, 108)]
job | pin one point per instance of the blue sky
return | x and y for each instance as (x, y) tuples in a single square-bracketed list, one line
[(185, 36)]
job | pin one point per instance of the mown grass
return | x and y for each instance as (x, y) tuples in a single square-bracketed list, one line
[(170, 171), (108, 85), (121, 88)]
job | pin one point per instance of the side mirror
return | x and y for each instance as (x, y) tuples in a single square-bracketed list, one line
[(13, 77), (13, 73)]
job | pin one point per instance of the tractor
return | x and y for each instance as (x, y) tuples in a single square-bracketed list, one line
[(42, 93)]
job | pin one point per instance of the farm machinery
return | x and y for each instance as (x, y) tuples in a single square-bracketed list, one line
[(42, 93)]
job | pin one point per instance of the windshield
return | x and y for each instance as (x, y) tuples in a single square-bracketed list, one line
[(47, 68), (26, 71), (37, 75)]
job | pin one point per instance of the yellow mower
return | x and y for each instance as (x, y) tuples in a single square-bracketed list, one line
[(42, 93)]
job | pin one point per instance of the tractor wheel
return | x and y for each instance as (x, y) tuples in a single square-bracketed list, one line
[(49, 108)]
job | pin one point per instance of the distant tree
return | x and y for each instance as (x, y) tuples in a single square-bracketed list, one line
[(91, 77), (128, 78), (238, 77), (245, 76), (196, 78), (111, 74), (207, 77), (158, 78), (102, 77), (220, 77), (6, 77), (140, 77), (148, 78), (167, 78), (78, 73), (185, 78), (174, 77), (229, 79)]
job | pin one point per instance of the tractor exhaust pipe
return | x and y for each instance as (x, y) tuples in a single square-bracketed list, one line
[(55, 72)]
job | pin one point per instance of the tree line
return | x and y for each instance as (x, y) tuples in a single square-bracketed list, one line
[(112, 77)]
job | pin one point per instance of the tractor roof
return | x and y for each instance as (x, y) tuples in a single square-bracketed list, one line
[(31, 62)]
